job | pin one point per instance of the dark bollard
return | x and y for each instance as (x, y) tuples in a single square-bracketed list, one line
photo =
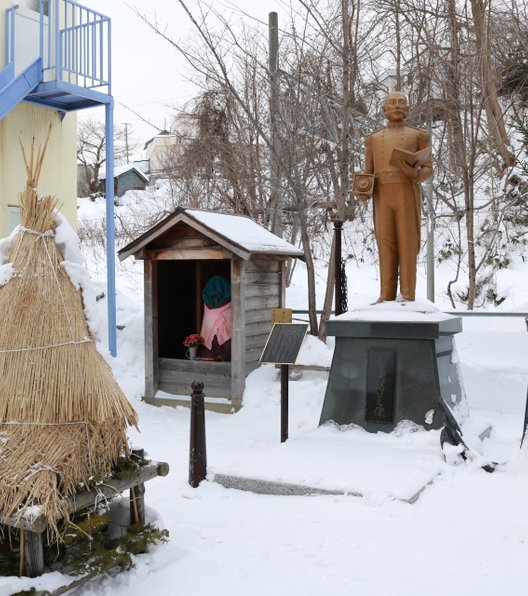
[(284, 373), (197, 452)]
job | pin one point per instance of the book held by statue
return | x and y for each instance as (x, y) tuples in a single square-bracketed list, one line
[(410, 157)]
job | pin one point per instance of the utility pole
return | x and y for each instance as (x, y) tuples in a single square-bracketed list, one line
[(275, 191), (346, 90), (126, 124)]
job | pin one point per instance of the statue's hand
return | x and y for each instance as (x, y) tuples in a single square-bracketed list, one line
[(412, 171)]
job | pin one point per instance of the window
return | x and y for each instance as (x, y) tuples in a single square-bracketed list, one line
[(35, 5), (13, 218)]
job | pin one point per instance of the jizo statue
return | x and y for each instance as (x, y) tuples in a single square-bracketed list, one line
[(397, 160)]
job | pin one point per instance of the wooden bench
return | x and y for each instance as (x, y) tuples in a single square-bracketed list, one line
[(32, 526)]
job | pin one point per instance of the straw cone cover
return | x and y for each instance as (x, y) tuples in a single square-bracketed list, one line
[(63, 417)]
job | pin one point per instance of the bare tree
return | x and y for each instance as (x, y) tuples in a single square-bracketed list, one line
[(91, 150), (470, 129), (328, 85), (482, 24), (226, 72)]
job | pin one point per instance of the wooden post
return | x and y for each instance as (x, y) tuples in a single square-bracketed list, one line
[(31, 553), (137, 496), (151, 327), (238, 331), (197, 451), (284, 402)]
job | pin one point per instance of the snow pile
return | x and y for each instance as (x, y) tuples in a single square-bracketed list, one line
[(465, 523)]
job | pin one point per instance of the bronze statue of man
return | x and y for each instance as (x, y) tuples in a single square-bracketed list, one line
[(397, 203)]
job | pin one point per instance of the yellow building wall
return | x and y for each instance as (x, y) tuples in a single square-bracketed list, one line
[(59, 172)]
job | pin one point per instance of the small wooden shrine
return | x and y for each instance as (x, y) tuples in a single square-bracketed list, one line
[(181, 253)]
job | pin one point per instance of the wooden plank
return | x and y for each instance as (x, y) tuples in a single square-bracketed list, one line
[(181, 384), (262, 290), (114, 487), (189, 254), (218, 404), (260, 265), (31, 523), (84, 499), (182, 242), (262, 303), (258, 328), (258, 316), (184, 389), (268, 278), (209, 380), (176, 377), (253, 355), (256, 341), (194, 366)]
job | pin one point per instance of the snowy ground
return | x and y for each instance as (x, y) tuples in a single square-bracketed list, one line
[(467, 531)]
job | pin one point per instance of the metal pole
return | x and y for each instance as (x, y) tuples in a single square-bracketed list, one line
[(275, 194), (338, 228), (197, 448), (110, 231), (58, 54), (284, 402), (430, 227), (430, 242)]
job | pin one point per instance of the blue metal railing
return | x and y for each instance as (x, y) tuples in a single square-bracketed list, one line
[(9, 41), (74, 50), (75, 47)]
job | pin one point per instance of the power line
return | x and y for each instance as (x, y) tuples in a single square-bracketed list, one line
[(157, 128)]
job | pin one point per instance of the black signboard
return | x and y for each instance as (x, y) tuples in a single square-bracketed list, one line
[(284, 343)]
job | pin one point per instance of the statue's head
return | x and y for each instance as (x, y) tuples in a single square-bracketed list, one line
[(396, 106)]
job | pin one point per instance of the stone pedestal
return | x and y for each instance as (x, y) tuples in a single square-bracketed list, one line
[(385, 371)]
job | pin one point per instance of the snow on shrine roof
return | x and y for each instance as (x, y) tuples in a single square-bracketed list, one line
[(245, 232), (237, 233)]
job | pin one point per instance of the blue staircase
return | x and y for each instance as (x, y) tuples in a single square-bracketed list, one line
[(72, 71), (13, 89)]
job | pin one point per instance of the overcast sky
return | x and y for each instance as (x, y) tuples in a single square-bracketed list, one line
[(148, 74)]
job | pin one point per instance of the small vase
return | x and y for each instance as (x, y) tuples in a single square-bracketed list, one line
[(192, 353)]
